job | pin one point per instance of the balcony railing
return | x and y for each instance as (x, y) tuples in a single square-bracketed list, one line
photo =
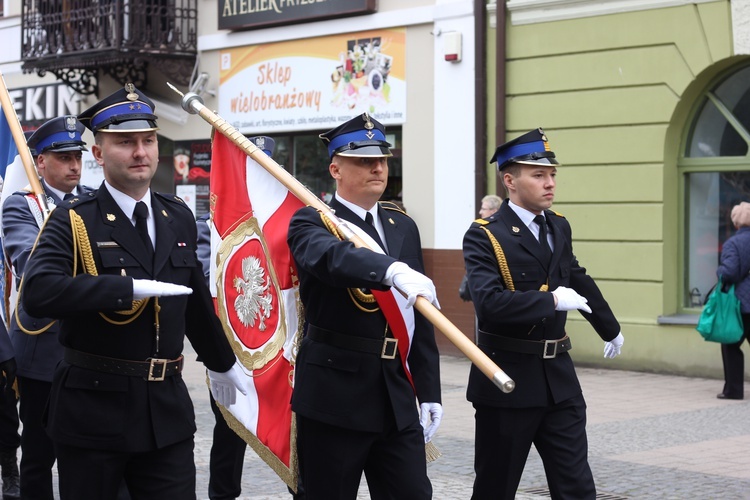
[(76, 39)]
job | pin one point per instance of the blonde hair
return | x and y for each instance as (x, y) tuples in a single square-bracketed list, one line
[(741, 215)]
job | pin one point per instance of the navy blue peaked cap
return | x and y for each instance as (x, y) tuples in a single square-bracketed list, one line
[(361, 136), (127, 110), (58, 135), (532, 148)]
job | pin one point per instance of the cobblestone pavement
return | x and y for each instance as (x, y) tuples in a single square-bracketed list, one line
[(650, 437)]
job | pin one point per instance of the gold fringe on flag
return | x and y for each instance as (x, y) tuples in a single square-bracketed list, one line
[(431, 452)]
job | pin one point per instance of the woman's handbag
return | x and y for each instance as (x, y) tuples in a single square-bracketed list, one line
[(721, 318)]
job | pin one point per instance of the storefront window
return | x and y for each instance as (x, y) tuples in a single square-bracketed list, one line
[(307, 159), (716, 170)]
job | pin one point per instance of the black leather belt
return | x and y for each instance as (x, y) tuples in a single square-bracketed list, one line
[(386, 347), (153, 369), (545, 349)]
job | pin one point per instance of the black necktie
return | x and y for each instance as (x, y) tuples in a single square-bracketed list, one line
[(546, 254), (141, 214), (373, 232)]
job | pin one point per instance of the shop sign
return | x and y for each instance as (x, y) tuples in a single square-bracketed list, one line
[(37, 104), (315, 83), (248, 14)]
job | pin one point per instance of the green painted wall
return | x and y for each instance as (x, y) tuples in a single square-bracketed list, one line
[(614, 94)]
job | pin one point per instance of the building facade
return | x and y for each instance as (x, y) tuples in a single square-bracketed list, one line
[(643, 102), (645, 105)]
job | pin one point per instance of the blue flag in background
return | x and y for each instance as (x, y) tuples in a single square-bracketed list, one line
[(8, 149)]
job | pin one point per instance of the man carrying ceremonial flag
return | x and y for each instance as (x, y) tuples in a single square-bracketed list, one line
[(367, 356)]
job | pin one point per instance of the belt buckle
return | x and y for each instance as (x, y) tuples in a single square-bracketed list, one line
[(157, 362), (389, 348), (546, 354)]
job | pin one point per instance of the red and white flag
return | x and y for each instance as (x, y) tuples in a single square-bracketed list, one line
[(254, 282)]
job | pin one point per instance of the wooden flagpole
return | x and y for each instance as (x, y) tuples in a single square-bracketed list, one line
[(23, 149), (193, 104)]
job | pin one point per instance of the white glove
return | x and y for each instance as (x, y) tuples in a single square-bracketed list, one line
[(612, 348), (150, 288), (431, 415), (411, 283), (569, 300), (224, 386)]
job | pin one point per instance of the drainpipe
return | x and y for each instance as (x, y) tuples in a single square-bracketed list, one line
[(480, 106), (500, 88)]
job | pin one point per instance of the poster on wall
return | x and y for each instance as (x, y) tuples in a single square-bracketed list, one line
[(314, 84), (192, 167)]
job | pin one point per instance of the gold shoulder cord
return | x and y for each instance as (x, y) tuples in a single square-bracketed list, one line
[(355, 294), (503, 263), (82, 248), (18, 298)]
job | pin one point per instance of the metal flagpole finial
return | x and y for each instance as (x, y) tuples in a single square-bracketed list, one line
[(190, 101)]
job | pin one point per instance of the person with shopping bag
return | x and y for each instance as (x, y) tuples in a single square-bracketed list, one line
[(734, 266)]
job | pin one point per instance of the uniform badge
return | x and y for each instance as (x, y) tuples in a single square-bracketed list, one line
[(130, 89), (70, 126), (515, 229), (260, 142), (368, 126), (164, 213), (391, 221), (111, 217)]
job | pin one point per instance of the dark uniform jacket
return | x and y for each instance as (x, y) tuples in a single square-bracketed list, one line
[(93, 409), (527, 313), (346, 388), (36, 355)]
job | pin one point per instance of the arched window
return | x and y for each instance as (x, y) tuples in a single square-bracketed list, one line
[(715, 164)]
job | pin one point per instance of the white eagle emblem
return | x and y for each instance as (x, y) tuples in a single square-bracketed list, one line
[(254, 299)]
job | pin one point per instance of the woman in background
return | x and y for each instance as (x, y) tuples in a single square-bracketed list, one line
[(734, 266)]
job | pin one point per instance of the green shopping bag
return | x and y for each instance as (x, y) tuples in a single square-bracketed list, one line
[(721, 319)]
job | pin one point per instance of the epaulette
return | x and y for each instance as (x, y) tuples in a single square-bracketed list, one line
[(558, 214), (482, 222), (78, 200), (389, 205), (173, 198)]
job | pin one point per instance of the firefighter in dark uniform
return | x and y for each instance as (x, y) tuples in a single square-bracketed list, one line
[(523, 278), (355, 403), (118, 268), (58, 146)]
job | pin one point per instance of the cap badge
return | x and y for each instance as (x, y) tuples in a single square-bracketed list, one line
[(130, 89), (368, 124), (261, 142), (111, 217), (70, 123)]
